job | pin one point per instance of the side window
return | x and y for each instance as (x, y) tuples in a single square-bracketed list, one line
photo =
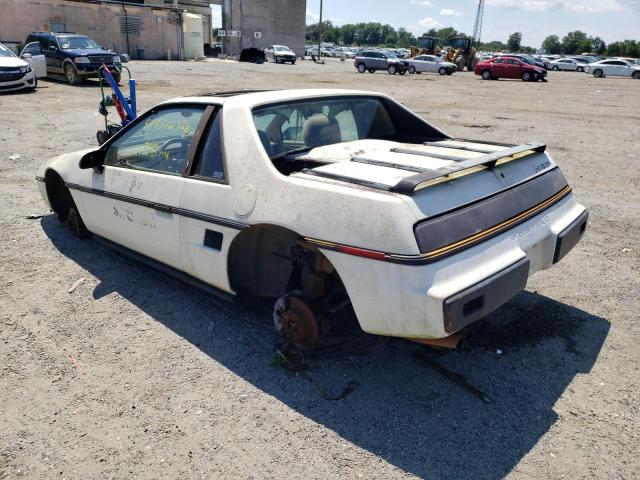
[(32, 48), (499, 60), (209, 162), (159, 143)]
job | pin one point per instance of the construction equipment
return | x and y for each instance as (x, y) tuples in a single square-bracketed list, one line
[(126, 107), (426, 46), (460, 50)]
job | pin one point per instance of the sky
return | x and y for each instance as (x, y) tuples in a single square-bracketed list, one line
[(611, 20)]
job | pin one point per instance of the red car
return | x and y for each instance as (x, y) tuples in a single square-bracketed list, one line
[(509, 67)]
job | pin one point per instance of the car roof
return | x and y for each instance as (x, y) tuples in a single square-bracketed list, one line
[(254, 98)]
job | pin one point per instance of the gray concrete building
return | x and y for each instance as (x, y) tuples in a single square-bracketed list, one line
[(261, 23), (153, 28)]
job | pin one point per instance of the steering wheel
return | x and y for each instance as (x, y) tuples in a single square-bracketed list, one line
[(183, 141)]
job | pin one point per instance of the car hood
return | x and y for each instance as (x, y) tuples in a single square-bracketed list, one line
[(12, 62), (88, 51)]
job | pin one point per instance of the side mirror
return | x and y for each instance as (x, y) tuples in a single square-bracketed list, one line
[(26, 56), (53, 48), (93, 159)]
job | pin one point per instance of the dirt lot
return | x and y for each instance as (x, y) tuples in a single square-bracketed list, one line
[(135, 375)]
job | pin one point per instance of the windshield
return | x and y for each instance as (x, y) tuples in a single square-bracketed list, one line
[(5, 52), (69, 43), (391, 55), (280, 48)]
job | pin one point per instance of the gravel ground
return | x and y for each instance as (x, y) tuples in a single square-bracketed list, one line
[(135, 375)]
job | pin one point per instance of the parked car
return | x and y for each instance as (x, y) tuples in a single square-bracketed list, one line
[(509, 67), (614, 68), (280, 54), (321, 200), (527, 59), (373, 60), (585, 59), (77, 57), (15, 73), (431, 64), (568, 64), (632, 61)]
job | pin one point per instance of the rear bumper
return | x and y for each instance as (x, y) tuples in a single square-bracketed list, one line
[(436, 299), (478, 300)]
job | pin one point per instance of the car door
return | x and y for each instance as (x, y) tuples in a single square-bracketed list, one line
[(620, 68), (430, 64), (498, 68), (33, 54), (133, 201), (512, 68), (209, 207)]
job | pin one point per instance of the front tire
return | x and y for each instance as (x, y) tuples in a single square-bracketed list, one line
[(392, 69), (580, 69), (72, 75), (442, 70), (555, 68), (75, 224), (526, 77), (361, 68), (635, 75), (486, 75), (598, 73), (412, 70)]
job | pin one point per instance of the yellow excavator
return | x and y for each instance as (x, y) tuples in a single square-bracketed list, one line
[(461, 52), (459, 49), (426, 46)]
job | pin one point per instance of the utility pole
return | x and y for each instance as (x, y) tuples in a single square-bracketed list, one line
[(320, 33)]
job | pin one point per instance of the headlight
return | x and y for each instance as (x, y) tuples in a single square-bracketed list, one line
[(81, 60), (116, 59), (25, 69)]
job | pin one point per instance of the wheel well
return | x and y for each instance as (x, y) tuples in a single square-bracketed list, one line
[(59, 197), (270, 261)]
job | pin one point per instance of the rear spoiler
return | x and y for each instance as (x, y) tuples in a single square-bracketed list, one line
[(409, 185)]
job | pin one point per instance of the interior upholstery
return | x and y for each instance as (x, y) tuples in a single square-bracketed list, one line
[(318, 130)]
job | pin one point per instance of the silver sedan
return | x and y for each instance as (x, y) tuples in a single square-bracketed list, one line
[(432, 64), (567, 64), (615, 68)]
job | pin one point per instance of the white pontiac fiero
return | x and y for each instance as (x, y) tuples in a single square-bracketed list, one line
[(322, 200)]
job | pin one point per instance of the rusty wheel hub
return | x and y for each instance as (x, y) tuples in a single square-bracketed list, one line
[(72, 222), (297, 321)]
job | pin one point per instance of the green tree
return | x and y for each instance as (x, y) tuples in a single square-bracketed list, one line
[(406, 38), (552, 45), (514, 41), (572, 42), (598, 46), (493, 46)]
